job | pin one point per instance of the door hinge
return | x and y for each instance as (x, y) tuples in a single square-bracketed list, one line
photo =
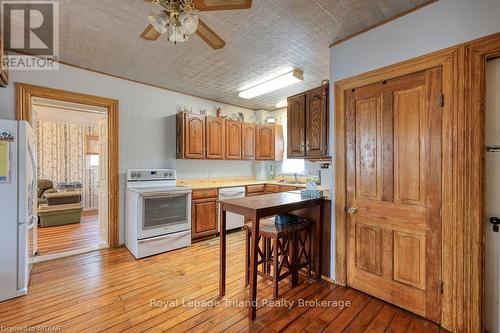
[(441, 286), (441, 100)]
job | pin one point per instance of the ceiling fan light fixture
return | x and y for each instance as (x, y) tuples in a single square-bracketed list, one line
[(189, 22), (159, 22), (273, 84), (177, 35)]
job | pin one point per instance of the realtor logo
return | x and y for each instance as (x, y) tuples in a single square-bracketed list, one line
[(30, 30)]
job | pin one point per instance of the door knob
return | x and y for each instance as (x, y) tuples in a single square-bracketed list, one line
[(351, 210), (495, 221)]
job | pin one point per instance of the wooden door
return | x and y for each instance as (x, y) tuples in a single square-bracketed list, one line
[(492, 198), (233, 140), (296, 126), (103, 188), (393, 163), (264, 138), (204, 218), (248, 141), (215, 138), (317, 122), (194, 136)]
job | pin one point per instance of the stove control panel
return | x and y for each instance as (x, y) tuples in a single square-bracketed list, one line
[(151, 174)]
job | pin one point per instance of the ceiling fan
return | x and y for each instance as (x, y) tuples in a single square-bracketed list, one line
[(179, 19)]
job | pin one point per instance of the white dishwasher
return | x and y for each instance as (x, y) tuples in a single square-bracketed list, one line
[(233, 221)]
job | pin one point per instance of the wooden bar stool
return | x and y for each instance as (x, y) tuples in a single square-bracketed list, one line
[(283, 250)]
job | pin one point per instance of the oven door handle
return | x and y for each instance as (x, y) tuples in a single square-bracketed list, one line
[(164, 194)]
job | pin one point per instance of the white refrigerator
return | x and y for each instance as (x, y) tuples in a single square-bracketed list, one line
[(18, 207)]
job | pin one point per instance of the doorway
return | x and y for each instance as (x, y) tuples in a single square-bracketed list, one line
[(71, 141), (27, 95), (492, 197), (393, 154)]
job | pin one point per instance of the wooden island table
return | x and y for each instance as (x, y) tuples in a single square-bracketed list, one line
[(256, 208)]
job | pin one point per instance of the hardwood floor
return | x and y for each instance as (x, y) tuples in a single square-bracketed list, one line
[(69, 237), (110, 291)]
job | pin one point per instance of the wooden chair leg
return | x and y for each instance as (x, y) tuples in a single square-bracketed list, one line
[(264, 255), (309, 251), (293, 259), (275, 269), (247, 256), (269, 255)]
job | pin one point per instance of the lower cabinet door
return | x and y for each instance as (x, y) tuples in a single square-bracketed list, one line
[(204, 218)]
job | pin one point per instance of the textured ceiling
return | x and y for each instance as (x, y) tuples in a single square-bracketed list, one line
[(270, 38)]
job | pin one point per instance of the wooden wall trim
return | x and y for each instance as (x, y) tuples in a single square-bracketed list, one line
[(477, 53), (463, 212), (24, 94)]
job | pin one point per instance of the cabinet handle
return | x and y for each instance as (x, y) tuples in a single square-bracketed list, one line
[(308, 146), (302, 147)]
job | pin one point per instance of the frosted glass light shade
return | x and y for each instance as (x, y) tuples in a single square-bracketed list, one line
[(159, 22), (189, 22)]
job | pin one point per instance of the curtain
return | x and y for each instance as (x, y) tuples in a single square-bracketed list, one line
[(61, 157)]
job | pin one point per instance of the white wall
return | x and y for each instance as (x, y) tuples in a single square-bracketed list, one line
[(147, 122), (440, 25)]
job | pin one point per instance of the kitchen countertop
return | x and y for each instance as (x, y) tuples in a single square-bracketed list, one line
[(218, 184), (197, 184)]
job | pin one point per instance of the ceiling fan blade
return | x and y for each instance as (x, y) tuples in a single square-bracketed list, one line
[(206, 5), (209, 36), (150, 33)]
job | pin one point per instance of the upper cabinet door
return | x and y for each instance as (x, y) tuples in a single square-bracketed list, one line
[(194, 136), (248, 141), (296, 126), (317, 122), (233, 140), (215, 138), (264, 148)]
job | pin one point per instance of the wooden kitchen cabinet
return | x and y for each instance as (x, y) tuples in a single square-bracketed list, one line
[(248, 141), (252, 190), (204, 213), (264, 142), (307, 124), (269, 144), (190, 136), (296, 126), (200, 137), (270, 188), (286, 188), (4, 75), (233, 139), (215, 138), (317, 122)]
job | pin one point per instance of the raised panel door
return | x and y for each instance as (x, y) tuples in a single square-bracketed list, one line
[(296, 126), (204, 218), (317, 122), (233, 140), (265, 142), (194, 136), (248, 141), (215, 138), (393, 137)]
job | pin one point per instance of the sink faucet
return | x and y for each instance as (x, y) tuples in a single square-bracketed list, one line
[(295, 178)]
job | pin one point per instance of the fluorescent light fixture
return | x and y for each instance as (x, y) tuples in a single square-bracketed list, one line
[(282, 104), (276, 83)]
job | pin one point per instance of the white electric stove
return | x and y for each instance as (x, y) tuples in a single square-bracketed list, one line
[(158, 212)]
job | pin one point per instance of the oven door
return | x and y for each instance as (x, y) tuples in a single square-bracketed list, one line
[(163, 213)]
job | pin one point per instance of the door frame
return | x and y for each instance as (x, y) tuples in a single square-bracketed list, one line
[(24, 94), (463, 209)]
